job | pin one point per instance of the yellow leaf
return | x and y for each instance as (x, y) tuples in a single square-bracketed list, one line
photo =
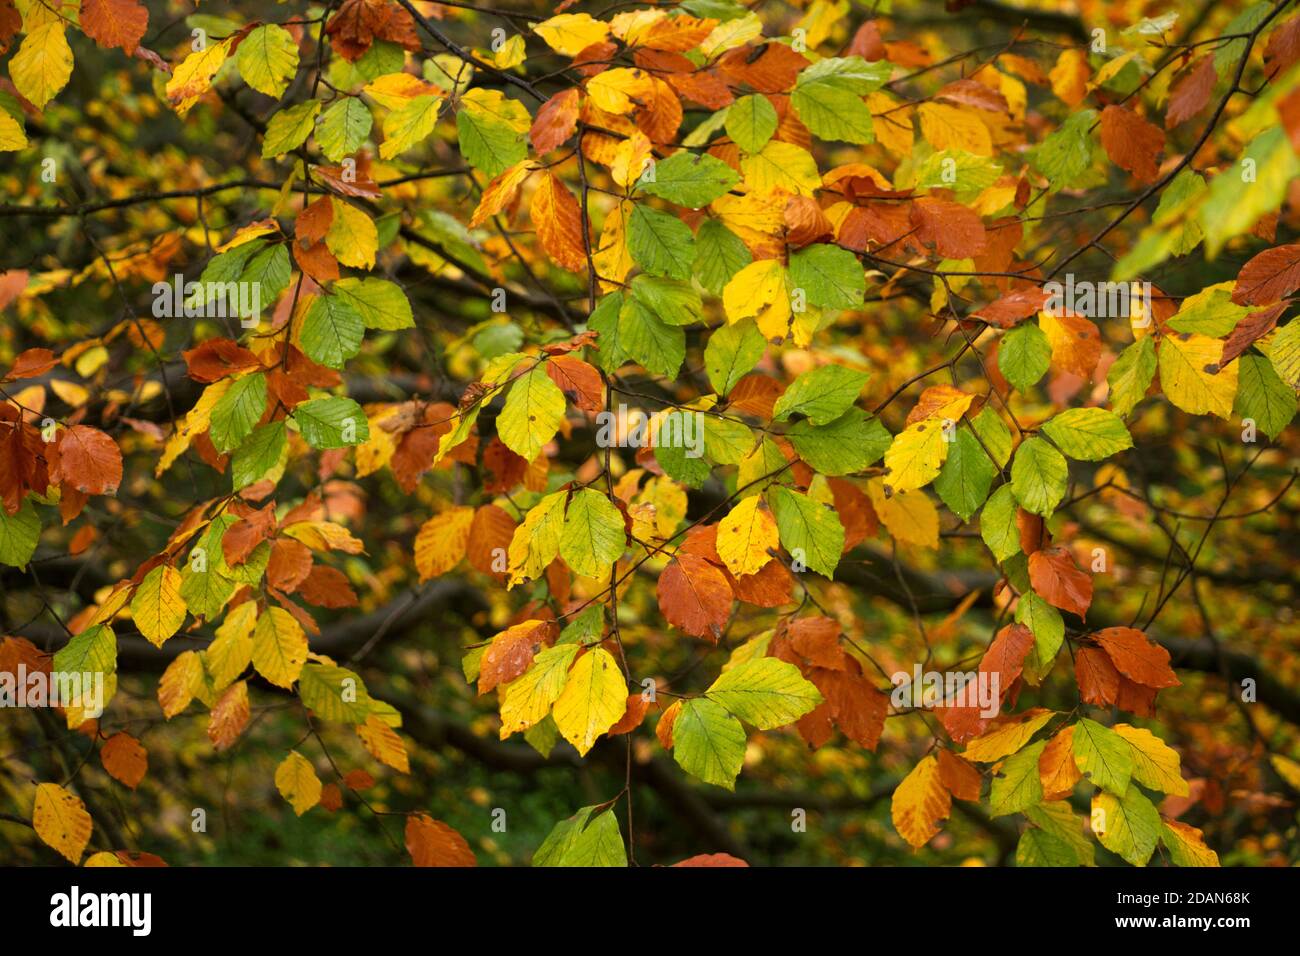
[(537, 540), (630, 159), (1070, 76), (12, 136), (297, 782), (620, 90), (232, 649), (394, 90), (42, 65), (759, 221), (157, 607), (914, 458), (909, 516), (409, 123), (1190, 374), (70, 392), (441, 542), (325, 536), (610, 257), (352, 236), (1006, 739), (384, 744), (528, 698), (571, 33), (781, 167), (1186, 844), (745, 536), (197, 421), (949, 127), (61, 821), (104, 859), (510, 54), (759, 292), (279, 647), (593, 699), (892, 123), (500, 193), (179, 683), (194, 76), (1155, 764), (920, 802), (733, 33)]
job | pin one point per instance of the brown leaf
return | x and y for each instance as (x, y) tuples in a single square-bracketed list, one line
[(580, 382), (955, 231), (113, 23), (1269, 276), (1131, 142), (29, 364), (1191, 92), (712, 859), (327, 587), (1096, 676), (961, 778), (217, 358), (124, 759)]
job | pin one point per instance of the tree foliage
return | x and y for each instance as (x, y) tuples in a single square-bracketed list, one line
[(586, 432)]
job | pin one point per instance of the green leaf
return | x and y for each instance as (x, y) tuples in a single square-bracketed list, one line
[(1102, 755), (647, 339), (343, 127), (726, 441), (1233, 204), (831, 113), (731, 354), (334, 422), (1210, 312), (966, 476), (659, 243), (831, 277), (764, 692), (237, 411), (335, 693), (719, 255), (593, 537), (1040, 848), (18, 534), (289, 128), (708, 742), (676, 303), (485, 147), (93, 651), (1049, 633), (810, 531), (1024, 356), (585, 839), (851, 73), (998, 524), (1088, 434), (751, 121), (381, 304), (1128, 826), (269, 270), (1066, 156), (1059, 820), (488, 143), (1038, 476), (532, 413), (994, 434), (851, 443), (1017, 785), (821, 394), (689, 179), (257, 454), (331, 332), (1131, 375), (1262, 396), (610, 355), (268, 59), (679, 459)]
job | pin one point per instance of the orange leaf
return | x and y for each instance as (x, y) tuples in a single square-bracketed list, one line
[(432, 843), (229, 716), (556, 121), (712, 859), (1140, 660), (695, 596), (961, 779), (559, 224), (580, 382), (1055, 579), (1096, 676), (1269, 276), (90, 460), (920, 802), (113, 23), (124, 759)]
